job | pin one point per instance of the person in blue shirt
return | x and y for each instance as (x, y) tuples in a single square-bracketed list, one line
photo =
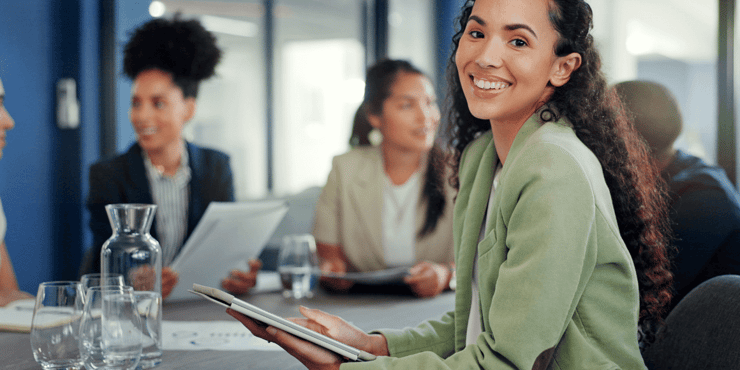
[(705, 205)]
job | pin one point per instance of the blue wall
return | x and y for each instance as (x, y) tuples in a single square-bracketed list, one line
[(41, 182)]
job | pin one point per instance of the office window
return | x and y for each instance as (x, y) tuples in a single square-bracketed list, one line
[(231, 106), (672, 42), (411, 33), (318, 84)]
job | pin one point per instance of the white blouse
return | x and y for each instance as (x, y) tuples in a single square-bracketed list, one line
[(399, 221), (474, 320), (3, 226), (3, 223)]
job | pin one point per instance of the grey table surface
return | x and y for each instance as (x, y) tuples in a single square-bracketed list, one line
[(367, 311)]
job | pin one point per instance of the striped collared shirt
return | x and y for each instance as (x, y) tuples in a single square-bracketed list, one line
[(170, 194)]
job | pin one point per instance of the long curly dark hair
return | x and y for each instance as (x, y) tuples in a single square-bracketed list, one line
[(379, 81), (600, 122), (183, 48)]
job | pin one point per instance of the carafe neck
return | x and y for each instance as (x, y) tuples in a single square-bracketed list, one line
[(131, 218)]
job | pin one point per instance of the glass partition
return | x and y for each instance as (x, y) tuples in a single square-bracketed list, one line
[(672, 42), (231, 106), (318, 84)]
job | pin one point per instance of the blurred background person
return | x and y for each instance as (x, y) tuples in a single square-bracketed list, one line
[(166, 59), (389, 205), (9, 290), (705, 206)]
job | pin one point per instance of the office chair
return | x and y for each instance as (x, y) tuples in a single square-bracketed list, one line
[(702, 331)]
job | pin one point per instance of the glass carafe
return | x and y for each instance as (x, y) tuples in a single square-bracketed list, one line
[(132, 252)]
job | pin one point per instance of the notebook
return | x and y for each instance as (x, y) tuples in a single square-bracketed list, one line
[(227, 300)]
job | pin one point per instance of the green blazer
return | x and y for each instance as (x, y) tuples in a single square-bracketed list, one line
[(558, 288)]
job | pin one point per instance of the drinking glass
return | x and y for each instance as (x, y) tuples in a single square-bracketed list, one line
[(120, 336), (96, 279), (55, 325), (91, 325), (149, 308), (298, 266)]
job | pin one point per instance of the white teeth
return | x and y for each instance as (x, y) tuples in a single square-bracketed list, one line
[(148, 131), (488, 85)]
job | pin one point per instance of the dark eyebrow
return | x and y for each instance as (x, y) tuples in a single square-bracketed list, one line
[(512, 27), (477, 19)]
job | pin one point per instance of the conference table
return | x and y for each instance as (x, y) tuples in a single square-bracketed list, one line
[(367, 310)]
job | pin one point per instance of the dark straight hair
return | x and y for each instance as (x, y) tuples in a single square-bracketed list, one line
[(380, 79)]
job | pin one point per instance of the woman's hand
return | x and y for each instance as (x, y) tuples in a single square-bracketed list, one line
[(239, 282), (337, 266), (169, 280), (335, 327), (310, 355), (428, 279)]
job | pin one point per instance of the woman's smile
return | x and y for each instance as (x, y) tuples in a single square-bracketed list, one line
[(489, 85)]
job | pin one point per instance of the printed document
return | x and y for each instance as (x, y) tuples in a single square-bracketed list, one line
[(228, 234)]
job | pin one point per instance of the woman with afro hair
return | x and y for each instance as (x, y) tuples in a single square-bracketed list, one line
[(166, 59)]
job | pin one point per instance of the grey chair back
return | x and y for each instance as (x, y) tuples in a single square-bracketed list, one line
[(702, 331)]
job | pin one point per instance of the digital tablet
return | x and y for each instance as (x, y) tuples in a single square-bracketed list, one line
[(256, 313), (388, 276)]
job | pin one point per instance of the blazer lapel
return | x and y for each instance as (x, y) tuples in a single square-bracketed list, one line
[(367, 198), (195, 200), (476, 179)]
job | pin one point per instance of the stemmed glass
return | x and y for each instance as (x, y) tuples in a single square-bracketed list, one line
[(109, 331), (55, 325)]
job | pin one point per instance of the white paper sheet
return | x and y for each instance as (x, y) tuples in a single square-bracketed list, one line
[(17, 316), (227, 235), (267, 281), (211, 335)]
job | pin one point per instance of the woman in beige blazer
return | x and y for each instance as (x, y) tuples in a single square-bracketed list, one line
[(389, 205)]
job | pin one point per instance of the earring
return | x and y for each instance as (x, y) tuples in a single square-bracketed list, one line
[(375, 137)]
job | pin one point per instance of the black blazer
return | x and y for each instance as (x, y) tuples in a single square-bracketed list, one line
[(122, 179)]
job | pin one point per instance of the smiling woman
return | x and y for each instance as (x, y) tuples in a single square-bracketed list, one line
[(167, 59), (559, 232), (388, 205)]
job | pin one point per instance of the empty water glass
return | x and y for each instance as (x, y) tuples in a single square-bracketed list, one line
[(121, 329), (96, 279), (149, 308), (91, 326), (55, 325), (298, 266)]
